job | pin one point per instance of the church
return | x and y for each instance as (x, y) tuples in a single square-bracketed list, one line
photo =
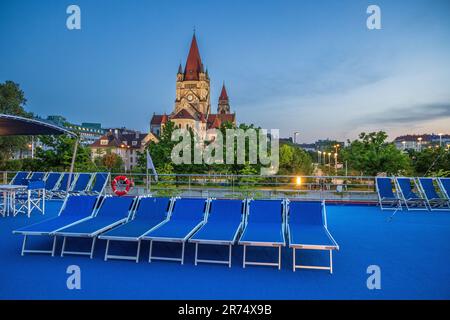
[(192, 107)]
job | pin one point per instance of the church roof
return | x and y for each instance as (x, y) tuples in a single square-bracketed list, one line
[(216, 120), (183, 114), (223, 93), (194, 62)]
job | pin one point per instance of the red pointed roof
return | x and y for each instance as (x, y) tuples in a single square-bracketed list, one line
[(223, 94), (193, 62)]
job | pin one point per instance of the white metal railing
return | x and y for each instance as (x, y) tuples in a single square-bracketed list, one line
[(355, 188)]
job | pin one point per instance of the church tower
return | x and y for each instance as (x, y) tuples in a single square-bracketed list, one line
[(224, 102), (193, 86)]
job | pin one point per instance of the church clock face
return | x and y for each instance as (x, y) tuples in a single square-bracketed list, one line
[(190, 97)]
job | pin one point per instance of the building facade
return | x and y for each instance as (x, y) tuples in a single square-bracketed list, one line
[(125, 143), (192, 108)]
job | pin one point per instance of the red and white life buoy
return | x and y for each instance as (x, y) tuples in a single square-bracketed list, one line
[(121, 185)]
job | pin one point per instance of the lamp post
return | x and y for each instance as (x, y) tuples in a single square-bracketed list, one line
[(419, 139), (318, 156), (404, 145), (335, 163), (329, 159), (440, 139)]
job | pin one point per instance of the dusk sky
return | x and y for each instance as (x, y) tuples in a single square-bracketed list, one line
[(307, 66)]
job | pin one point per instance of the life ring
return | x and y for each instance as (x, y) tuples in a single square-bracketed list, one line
[(121, 185)]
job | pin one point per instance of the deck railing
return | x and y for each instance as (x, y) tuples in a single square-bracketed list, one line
[(355, 188)]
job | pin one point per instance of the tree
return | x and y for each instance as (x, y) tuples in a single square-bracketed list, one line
[(58, 154), (430, 160), (111, 161), (371, 155), (294, 160), (12, 101)]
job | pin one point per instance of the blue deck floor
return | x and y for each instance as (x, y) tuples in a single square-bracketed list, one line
[(413, 252)]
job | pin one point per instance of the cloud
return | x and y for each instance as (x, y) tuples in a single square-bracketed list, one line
[(409, 115)]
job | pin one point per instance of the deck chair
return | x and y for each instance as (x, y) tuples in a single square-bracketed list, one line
[(20, 178), (32, 198), (413, 200), (82, 183), (51, 181), (149, 215), (223, 225), (74, 209), (307, 230), (37, 176), (100, 182), (444, 185), (112, 212), (61, 188), (435, 201), (386, 197), (188, 214), (264, 228)]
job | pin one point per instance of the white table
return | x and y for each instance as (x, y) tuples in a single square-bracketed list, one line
[(9, 197)]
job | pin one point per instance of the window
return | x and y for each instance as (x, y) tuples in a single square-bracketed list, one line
[(134, 143), (104, 142)]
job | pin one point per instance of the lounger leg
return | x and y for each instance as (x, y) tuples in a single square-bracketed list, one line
[(243, 260), (279, 257), (54, 246), (92, 247), (293, 259), (138, 251), (23, 244), (106, 250), (229, 257), (182, 254), (150, 252), (63, 247), (196, 250), (331, 261)]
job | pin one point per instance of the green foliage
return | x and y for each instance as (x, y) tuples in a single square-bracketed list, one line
[(58, 154), (110, 161), (294, 161), (12, 101), (371, 155), (430, 160)]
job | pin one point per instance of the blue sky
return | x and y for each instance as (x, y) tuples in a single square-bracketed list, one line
[(308, 66)]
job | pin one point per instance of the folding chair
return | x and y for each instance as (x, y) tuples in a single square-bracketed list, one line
[(386, 197), (435, 201), (413, 200)]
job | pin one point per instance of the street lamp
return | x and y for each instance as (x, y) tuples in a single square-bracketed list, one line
[(318, 156), (440, 139), (335, 162), (404, 145), (329, 158), (420, 143)]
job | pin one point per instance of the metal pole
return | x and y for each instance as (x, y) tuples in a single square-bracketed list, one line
[(72, 165)]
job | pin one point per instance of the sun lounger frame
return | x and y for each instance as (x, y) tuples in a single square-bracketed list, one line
[(52, 233), (313, 246), (437, 204), (92, 236), (245, 262), (388, 203), (412, 204), (175, 240), (441, 186), (138, 240), (227, 243)]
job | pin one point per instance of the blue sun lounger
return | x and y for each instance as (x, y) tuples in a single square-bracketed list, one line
[(113, 211), (149, 214), (37, 176), (61, 187), (51, 181), (435, 201), (187, 216), (74, 209), (100, 182), (386, 197), (444, 185), (82, 183), (413, 200), (20, 178), (224, 223), (264, 227), (307, 230)]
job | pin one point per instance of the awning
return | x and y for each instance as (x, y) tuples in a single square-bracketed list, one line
[(14, 125)]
